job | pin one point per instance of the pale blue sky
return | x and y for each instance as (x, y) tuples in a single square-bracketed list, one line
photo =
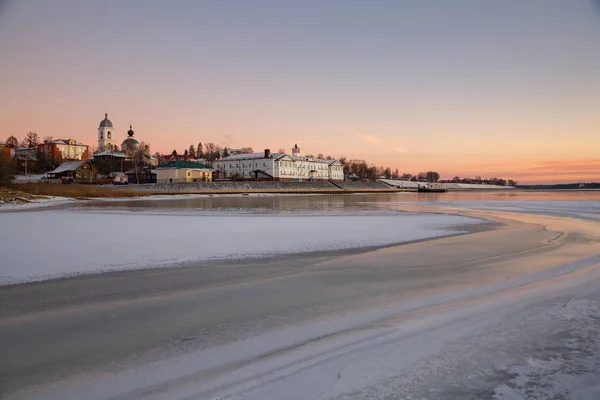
[(407, 83)]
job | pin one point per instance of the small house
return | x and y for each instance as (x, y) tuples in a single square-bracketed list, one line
[(118, 178), (183, 171), (73, 172)]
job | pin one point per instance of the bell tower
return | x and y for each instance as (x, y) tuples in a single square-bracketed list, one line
[(106, 134), (296, 150)]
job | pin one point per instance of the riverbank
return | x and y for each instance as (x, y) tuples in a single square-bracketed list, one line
[(231, 187)]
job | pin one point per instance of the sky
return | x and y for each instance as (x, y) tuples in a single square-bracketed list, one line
[(465, 87)]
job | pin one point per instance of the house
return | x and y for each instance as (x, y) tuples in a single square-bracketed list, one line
[(26, 158), (110, 155), (5, 151), (142, 175), (167, 158), (73, 172), (26, 154), (183, 171), (118, 178), (279, 167), (63, 150)]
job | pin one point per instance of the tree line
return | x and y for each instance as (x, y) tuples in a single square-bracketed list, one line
[(31, 139), (354, 168), (480, 180), (208, 151)]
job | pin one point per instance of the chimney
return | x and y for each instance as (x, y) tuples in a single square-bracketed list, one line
[(267, 153)]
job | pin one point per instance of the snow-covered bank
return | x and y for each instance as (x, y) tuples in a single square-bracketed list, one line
[(47, 244), (30, 204)]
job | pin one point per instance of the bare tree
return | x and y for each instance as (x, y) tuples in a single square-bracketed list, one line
[(48, 139), (209, 152), (139, 156), (192, 151), (199, 151), (32, 139), (281, 150), (12, 142), (247, 150), (432, 176)]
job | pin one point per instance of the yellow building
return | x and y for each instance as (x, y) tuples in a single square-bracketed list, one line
[(183, 171)]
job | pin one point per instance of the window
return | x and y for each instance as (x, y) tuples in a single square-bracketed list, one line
[(189, 173), (85, 175), (101, 135), (108, 135)]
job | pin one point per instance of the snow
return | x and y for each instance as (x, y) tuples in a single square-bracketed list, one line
[(402, 184), (70, 242), (585, 209), (67, 166), (476, 186), (29, 178), (506, 341), (449, 186), (30, 204)]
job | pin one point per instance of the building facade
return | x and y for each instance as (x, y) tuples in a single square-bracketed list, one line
[(73, 172), (63, 150), (278, 166), (183, 172), (5, 152)]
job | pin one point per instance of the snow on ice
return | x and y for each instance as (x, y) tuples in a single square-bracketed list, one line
[(55, 243)]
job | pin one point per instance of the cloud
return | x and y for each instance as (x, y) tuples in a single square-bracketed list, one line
[(370, 139), (537, 171), (336, 129), (399, 149)]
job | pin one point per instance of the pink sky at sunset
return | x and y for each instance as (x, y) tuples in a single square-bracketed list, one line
[(498, 90)]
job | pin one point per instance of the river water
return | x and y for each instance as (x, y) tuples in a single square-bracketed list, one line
[(349, 202)]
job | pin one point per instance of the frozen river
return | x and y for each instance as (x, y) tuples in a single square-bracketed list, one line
[(354, 202), (309, 298)]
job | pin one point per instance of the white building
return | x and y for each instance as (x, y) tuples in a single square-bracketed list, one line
[(279, 166), (63, 150), (105, 135)]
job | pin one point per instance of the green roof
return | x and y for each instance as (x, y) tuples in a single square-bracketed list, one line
[(184, 165)]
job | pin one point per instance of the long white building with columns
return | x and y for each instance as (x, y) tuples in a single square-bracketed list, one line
[(279, 167)]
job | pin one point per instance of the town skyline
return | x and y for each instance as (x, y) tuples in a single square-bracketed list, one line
[(494, 90)]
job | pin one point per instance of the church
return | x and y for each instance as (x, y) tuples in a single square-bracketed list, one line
[(106, 141), (107, 149)]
